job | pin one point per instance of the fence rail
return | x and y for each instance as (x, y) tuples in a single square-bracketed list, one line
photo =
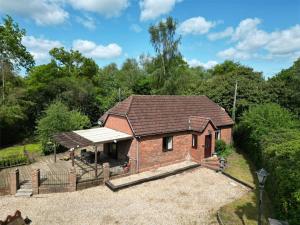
[(54, 179)]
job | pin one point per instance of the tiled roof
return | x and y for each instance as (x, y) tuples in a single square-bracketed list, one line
[(198, 123), (154, 114)]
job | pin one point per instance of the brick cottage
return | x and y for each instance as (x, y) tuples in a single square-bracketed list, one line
[(166, 129)]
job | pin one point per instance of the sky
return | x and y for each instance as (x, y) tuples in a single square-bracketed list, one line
[(262, 34)]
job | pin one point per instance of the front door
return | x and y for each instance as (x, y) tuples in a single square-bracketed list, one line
[(207, 149)]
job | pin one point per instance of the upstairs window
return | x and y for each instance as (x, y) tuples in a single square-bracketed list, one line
[(194, 140), (168, 143)]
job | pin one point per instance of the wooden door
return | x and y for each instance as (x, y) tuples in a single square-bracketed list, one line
[(207, 149)]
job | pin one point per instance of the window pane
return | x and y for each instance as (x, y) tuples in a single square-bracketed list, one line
[(169, 140)]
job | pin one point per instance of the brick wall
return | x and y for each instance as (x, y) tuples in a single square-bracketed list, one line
[(151, 154), (119, 123), (226, 134)]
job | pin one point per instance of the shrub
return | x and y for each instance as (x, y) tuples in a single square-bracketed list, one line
[(270, 136), (58, 118), (220, 146)]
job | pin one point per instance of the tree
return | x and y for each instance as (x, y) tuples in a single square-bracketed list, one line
[(284, 88), (163, 39), (13, 53), (220, 87), (58, 118)]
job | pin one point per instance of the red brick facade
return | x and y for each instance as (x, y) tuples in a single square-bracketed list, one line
[(226, 134), (148, 151)]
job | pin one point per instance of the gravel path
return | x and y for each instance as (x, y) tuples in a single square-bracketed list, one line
[(188, 198)]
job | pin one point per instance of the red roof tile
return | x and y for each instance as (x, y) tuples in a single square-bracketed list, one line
[(154, 114)]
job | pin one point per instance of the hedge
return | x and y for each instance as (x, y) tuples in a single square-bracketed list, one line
[(270, 136)]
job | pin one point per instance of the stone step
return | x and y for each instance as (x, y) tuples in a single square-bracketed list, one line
[(25, 186), (217, 164), (215, 168), (25, 190), (211, 160), (23, 194)]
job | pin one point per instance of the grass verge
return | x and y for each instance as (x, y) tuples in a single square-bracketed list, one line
[(244, 211)]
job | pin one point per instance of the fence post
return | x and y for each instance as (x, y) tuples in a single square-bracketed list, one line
[(72, 180), (35, 181), (106, 172), (132, 163), (14, 181)]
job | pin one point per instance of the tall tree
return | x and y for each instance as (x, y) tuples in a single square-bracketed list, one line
[(13, 53), (165, 42)]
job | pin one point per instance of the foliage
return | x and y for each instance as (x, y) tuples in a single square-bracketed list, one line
[(58, 118), (12, 51), (284, 88), (220, 146), (270, 135)]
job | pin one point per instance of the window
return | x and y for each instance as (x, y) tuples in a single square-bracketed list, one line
[(194, 140), (167, 143), (218, 134)]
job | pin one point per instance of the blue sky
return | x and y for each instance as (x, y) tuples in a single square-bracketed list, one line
[(262, 34)]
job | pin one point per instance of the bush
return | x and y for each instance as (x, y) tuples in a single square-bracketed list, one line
[(270, 136), (58, 118), (220, 146)]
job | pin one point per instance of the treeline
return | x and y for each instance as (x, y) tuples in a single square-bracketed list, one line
[(81, 85)]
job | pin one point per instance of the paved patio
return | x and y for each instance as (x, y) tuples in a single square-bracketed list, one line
[(189, 198)]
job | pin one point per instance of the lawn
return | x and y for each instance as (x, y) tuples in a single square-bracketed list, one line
[(244, 210), (18, 149)]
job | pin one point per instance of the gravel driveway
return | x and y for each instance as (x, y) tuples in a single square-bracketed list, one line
[(189, 198)]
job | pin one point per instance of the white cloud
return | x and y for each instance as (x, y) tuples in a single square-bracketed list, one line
[(136, 28), (108, 8), (220, 35), (43, 12), (91, 49), (232, 53), (285, 41), (151, 9), (196, 63), (195, 25), (252, 42), (39, 47), (87, 22)]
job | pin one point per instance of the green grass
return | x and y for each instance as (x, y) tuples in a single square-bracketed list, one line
[(18, 149), (244, 210)]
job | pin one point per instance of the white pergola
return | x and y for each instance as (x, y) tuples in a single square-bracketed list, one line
[(92, 137)]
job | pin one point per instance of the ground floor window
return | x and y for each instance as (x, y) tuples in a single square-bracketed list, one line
[(194, 140), (167, 143), (218, 134)]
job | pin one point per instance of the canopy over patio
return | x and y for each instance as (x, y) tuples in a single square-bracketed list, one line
[(90, 137)]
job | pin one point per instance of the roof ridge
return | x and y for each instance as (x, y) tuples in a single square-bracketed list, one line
[(130, 102)]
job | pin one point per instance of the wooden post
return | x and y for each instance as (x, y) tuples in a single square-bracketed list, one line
[(106, 172), (234, 101), (72, 152), (96, 161)]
